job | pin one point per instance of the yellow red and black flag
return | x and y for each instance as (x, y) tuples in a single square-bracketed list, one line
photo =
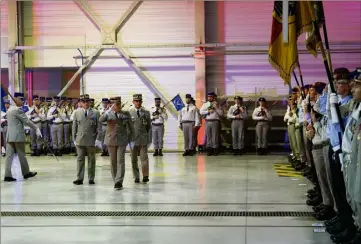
[(313, 41), (283, 56)]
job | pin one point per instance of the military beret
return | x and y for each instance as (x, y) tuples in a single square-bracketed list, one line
[(137, 97), (238, 97), (91, 100), (262, 99), (188, 96), (19, 94), (63, 98), (42, 99), (358, 80), (35, 97), (308, 86), (295, 90), (84, 100), (211, 94), (70, 99), (319, 86), (49, 99), (157, 99), (86, 95), (105, 100), (341, 70), (56, 98)]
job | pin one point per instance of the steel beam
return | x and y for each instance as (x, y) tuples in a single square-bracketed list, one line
[(176, 45), (88, 12), (126, 16), (87, 63), (145, 79), (142, 56)]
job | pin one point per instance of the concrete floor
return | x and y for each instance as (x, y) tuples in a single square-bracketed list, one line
[(246, 183)]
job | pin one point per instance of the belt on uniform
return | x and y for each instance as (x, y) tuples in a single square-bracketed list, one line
[(37, 122), (157, 124), (188, 121), (262, 121), (57, 123), (212, 120), (317, 146), (238, 119), (67, 122)]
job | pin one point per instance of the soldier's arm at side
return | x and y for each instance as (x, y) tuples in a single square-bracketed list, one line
[(74, 127), (23, 118), (99, 125), (198, 118)]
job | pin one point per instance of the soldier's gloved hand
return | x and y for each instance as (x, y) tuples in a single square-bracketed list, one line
[(38, 133), (181, 127), (333, 99), (74, 143)]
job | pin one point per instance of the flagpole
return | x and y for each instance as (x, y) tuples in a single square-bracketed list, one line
[(301, 78), (298, 84), (328, 71)]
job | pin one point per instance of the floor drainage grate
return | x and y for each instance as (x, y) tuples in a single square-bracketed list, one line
[(153, 214)]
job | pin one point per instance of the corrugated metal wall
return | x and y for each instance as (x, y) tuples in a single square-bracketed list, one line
[(152, 23)]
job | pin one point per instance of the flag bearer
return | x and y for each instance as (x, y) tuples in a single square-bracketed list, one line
[(212, 113), (158, 115)]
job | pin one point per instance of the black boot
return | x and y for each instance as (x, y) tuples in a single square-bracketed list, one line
[(104, 153), (33, 153), (215, 152), (259, 151), (155, 152), (160, 152), (186, 153), (210, 152), (235, 152)]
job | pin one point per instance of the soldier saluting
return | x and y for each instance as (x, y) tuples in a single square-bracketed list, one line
[(237, 113), (140, 138), (117, 138)]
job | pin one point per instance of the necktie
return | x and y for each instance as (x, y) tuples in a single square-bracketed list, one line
[(187, 108), (138, 113), (86, 113)]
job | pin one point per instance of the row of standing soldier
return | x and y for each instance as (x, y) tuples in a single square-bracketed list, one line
[(53, 116), (331, 164)]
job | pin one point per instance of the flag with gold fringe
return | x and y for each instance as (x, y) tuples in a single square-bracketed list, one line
[(284, 56)]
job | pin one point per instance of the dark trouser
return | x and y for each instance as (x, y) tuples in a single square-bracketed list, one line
[(338, 188)]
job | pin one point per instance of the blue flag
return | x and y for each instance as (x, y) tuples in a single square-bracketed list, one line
[(3, 94), (178, 102)]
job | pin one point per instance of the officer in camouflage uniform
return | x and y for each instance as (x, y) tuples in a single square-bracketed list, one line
[(140, 138), (117, 137)]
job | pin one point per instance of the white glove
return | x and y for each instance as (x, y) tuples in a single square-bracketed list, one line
[(98, 144), (38, 133), (333, 99), (74, 143), (340, 156)]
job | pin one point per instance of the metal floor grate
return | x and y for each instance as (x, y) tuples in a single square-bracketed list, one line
[(152, 214)]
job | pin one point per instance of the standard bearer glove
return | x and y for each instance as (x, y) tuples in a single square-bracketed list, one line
[(38, 133)]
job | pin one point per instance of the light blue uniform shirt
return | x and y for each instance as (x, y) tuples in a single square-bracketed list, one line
[(333, 130)]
